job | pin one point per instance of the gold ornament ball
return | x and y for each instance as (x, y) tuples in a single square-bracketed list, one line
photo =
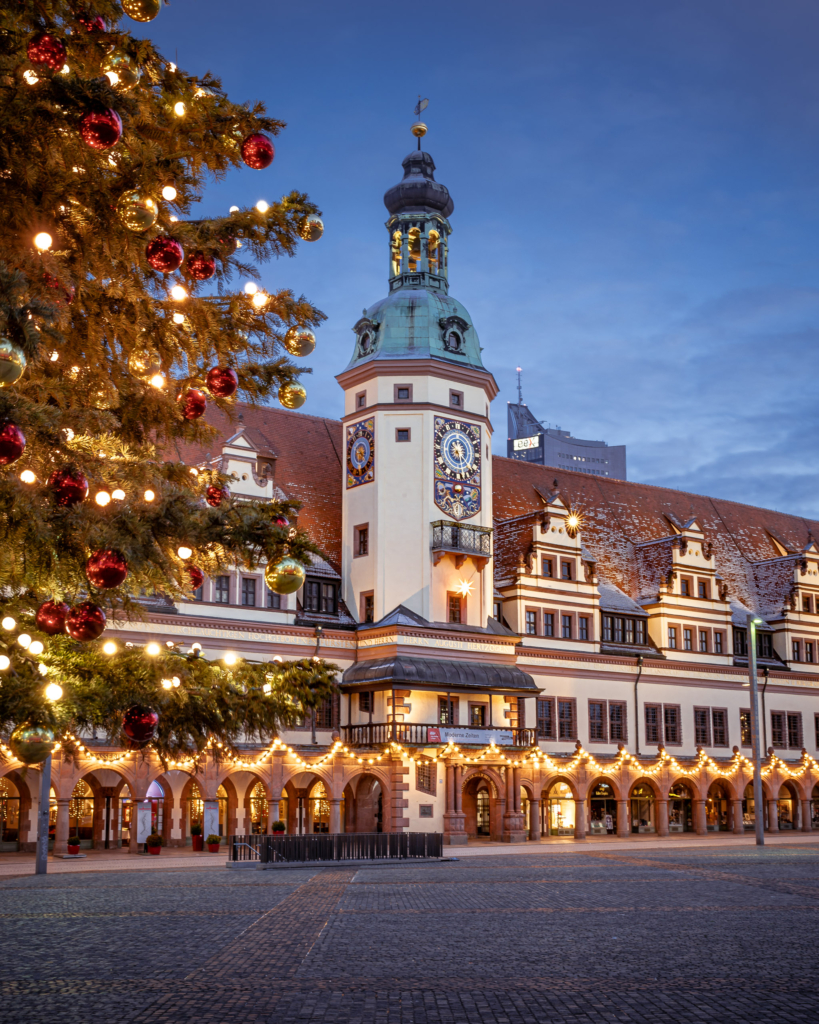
[(12, 363), (419, 129), (105, 396), (137, 211), (142, 10), (299, 341), (144, 362), (31, 744), (312, 228), (285, 576), (123, 72), (292, 396)]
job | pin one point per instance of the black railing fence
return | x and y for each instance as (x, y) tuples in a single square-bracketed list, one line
[(272, 849), (449, 536), (374, 734)]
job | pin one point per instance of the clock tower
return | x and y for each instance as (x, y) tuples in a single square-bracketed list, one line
[(417, 495)]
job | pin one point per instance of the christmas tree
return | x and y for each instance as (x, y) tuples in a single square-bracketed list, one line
[(120, 320)]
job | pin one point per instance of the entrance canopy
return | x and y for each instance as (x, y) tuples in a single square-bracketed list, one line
[(405, 672)]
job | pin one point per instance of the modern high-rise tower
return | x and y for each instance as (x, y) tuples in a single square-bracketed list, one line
[(528, 440)]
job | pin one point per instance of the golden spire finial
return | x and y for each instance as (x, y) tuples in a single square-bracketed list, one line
[(419, 129)]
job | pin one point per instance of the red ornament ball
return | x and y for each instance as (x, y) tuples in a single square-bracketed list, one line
[(69, 486), (222, 382), (164, 254), (214, 495), (193, 402), (200, 266), (106, 569), (196, 575), (282, 521), (12, 442), (139, 725), (101, 129), (85, 622), (258, 151), (46, 51), (92, 23), (67, 291), (51, 616)]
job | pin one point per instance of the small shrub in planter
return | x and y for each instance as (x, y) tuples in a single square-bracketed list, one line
[(74, 845), (278, 827), (213, 842), (154, 843), (197, 840)]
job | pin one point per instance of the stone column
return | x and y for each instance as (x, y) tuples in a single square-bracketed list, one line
[(454, 833), (534, 820), (739, 828), (700, 826), (623, 818), (516, 784), (458, 776), (61, 830), (580, 819), (806, 825), (662, 817), (513, 831), (450, 787), (335, 816), (773, 816)]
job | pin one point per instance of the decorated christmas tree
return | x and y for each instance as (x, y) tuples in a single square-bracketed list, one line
[(121, 318)]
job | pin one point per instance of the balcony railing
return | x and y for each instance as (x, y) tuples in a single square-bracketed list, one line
[(376, 734), (462, 540)]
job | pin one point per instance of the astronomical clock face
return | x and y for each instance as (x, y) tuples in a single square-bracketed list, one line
[(457, 455), (360, 452)]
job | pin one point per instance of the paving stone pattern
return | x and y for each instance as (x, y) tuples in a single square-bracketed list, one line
[(580, 938)]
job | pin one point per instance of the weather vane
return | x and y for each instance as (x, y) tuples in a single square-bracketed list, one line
[(419, 129)]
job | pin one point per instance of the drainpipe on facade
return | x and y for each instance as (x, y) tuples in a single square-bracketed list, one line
[(765, 672), (637, 706), (313, 710)]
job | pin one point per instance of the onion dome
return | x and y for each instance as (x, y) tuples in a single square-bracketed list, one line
[(418, 190)]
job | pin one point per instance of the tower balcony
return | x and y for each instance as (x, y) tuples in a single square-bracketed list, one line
[(462, 541)]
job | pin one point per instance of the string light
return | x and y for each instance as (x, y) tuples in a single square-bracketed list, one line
[(24, 640), (118, 494), (179, 109), (53, 691), (8, 623), (27, 476), (251, 288), (169, 193), (233, 209), (259, 300), (178, 293), (149, 495), (4, 662), (184, 552), (109, 647), (262, 206), (30, 77), (157, 381), (36, 647), (102, 498), (43, 241), (152, 649)]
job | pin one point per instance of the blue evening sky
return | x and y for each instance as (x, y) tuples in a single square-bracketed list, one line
[(636, 189)]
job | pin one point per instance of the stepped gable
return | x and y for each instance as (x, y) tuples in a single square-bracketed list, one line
[(308, 461), (618, 515)]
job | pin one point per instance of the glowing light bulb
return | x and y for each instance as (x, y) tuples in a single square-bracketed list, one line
[(30, 77), (36, 647), (176, 681), (230, 659), (169, 193), (149, 495), (68, 434), (259, 300), (153, 649), (178, 293), (172, 68), (179, 318), (173, 219), (167, 684), (4, 662), (157, 381), (43, 669), (43, 241), (109, 647), (8, 623), (118, 494), (102, 498), (54, 357), (64, 70), (233, 209), (464, 588), (262, 206), (193, 471), (24, 640), (179, 109), (267, 688), (184, 552), (53, 691), (251, 288)]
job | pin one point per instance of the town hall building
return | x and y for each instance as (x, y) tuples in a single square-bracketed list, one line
[(523, 651)]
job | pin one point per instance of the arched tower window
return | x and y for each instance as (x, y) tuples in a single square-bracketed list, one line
[(395, 250), (414, 248), (432, 249)]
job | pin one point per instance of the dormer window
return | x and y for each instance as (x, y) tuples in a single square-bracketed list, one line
[(365, 343), (454, 342)]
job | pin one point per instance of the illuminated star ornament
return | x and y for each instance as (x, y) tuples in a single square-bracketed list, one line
[(464, 588), (574, 522)]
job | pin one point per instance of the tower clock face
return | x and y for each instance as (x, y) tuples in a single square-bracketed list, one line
[(457, 454), (361, 452)]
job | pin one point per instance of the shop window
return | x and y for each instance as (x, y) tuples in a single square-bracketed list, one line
[(672, 637), (719, 721), (745, 728), (221, 590), (249, 592), (425, 777), (703, 641), (582, 628), (447, 711), (688, 643), (531, 623), (778, 729), (718, 643), (362, 540), (567, 720), (597, 720), (566, 627), (672, 724), (702, 727), (548, 624), (366, 701), (642, 809), (546, 567), (618, 731), (652, 717), (795, 730), (546, 720), (566, 570), (273, 600)]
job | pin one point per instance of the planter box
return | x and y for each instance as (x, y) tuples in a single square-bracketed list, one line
[(73, 850), (154, 850), (213, 847), (197, 843)]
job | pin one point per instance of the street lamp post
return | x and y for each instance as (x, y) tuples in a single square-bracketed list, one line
[(759, 807), (41, 858)]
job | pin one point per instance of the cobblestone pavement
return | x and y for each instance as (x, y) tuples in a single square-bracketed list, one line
[(592, 937)]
